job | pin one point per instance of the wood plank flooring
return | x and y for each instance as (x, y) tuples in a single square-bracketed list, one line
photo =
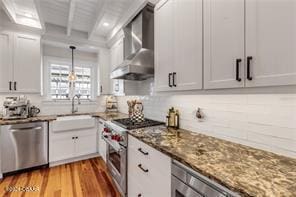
[(87, 178)]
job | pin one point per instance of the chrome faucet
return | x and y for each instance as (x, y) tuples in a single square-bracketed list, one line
[(73, 103)]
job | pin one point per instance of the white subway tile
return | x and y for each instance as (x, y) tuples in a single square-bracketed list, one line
[(264, 121)]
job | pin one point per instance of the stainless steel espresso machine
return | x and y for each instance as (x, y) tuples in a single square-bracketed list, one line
[(16, 108)]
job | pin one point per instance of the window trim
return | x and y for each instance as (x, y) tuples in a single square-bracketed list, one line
[(58, 60)]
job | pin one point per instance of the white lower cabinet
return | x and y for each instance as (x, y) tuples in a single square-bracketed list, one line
[(86, 144), (61, 147), (149, 171), (71, 144), (102, 146)]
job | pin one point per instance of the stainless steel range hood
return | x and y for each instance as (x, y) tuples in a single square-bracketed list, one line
[(138, 48)]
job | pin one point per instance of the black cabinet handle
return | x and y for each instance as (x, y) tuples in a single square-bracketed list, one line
[(170, 75), (139, 195), (144, 153), (249, 58), (238, 61), (10, 84), (73, 138), (144, 170), (101, 89), (174, 75), (14, 85)]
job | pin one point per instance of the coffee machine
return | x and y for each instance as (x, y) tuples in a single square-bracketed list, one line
[(16, 108)]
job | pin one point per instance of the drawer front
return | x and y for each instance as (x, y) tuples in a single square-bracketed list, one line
[(148, 155), (152, 170), (135, 188)]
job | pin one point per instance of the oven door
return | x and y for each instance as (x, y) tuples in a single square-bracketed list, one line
[(116, 164), (180, 189)]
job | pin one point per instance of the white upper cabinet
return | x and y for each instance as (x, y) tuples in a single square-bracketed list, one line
[(223, 43), (188, 47), (27, 63), (270, 42), (20, 63), (104, 72), (117, 52), (178, 45), (164, 54), (6, 72)]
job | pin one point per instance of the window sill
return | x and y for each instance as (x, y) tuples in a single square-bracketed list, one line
[(68, 102)]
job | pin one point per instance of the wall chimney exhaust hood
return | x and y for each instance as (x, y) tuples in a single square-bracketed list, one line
[(138, 48)]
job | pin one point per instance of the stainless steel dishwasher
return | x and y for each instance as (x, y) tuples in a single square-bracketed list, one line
[(23, 146), (188, 183)]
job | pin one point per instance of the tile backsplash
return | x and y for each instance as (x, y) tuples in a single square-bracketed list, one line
[(264, 121), (47, 107)]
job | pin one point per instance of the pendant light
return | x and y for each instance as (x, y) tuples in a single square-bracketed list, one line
[(72, 76)]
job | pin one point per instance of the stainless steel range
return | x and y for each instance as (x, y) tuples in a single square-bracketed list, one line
[(115, 134)]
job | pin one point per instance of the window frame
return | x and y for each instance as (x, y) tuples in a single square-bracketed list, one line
[(48, 60)]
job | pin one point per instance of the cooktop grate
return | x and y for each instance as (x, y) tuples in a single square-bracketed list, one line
[(128, 124)]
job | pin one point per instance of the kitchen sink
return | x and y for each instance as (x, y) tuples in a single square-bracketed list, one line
[(73, 122), (73, 117)]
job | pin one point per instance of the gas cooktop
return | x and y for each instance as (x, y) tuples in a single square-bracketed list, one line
[(128, 124)]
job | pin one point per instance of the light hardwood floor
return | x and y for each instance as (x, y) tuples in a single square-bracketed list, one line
[(87, 178)]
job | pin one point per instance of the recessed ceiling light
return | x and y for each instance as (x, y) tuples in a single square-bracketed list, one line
[(106, 24)]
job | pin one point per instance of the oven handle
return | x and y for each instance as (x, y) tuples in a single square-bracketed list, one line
[(105, 138), (123, 146)]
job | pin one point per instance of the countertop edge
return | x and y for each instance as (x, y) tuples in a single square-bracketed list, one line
[(210, 176), (43, 118)]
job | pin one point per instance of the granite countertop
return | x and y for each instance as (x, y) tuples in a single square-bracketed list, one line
[(104, 115), (242, 169), (110, 115), (27, 120)]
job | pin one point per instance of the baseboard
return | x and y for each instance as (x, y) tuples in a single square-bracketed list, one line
[(84, 157)]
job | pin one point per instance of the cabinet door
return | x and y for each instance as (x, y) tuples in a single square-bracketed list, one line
[(164, 44), (117, 58), (271, 42), (104, 72), (119, 52), (223, 43), (61, 148), (102, 143), (27, 63), (188, 42), (86, 144), (6, 71)]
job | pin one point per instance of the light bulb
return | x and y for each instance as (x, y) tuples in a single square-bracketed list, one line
[(72, 76)]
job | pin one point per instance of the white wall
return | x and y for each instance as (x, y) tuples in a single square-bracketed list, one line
[(66, 53), (264, 121), (59, 107)]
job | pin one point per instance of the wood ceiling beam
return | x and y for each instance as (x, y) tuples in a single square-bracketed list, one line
[(70, 16), (40, 16), (130, 13), (9, 9), (99, 16)]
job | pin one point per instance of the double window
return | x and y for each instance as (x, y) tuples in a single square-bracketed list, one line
[(58, 85)]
